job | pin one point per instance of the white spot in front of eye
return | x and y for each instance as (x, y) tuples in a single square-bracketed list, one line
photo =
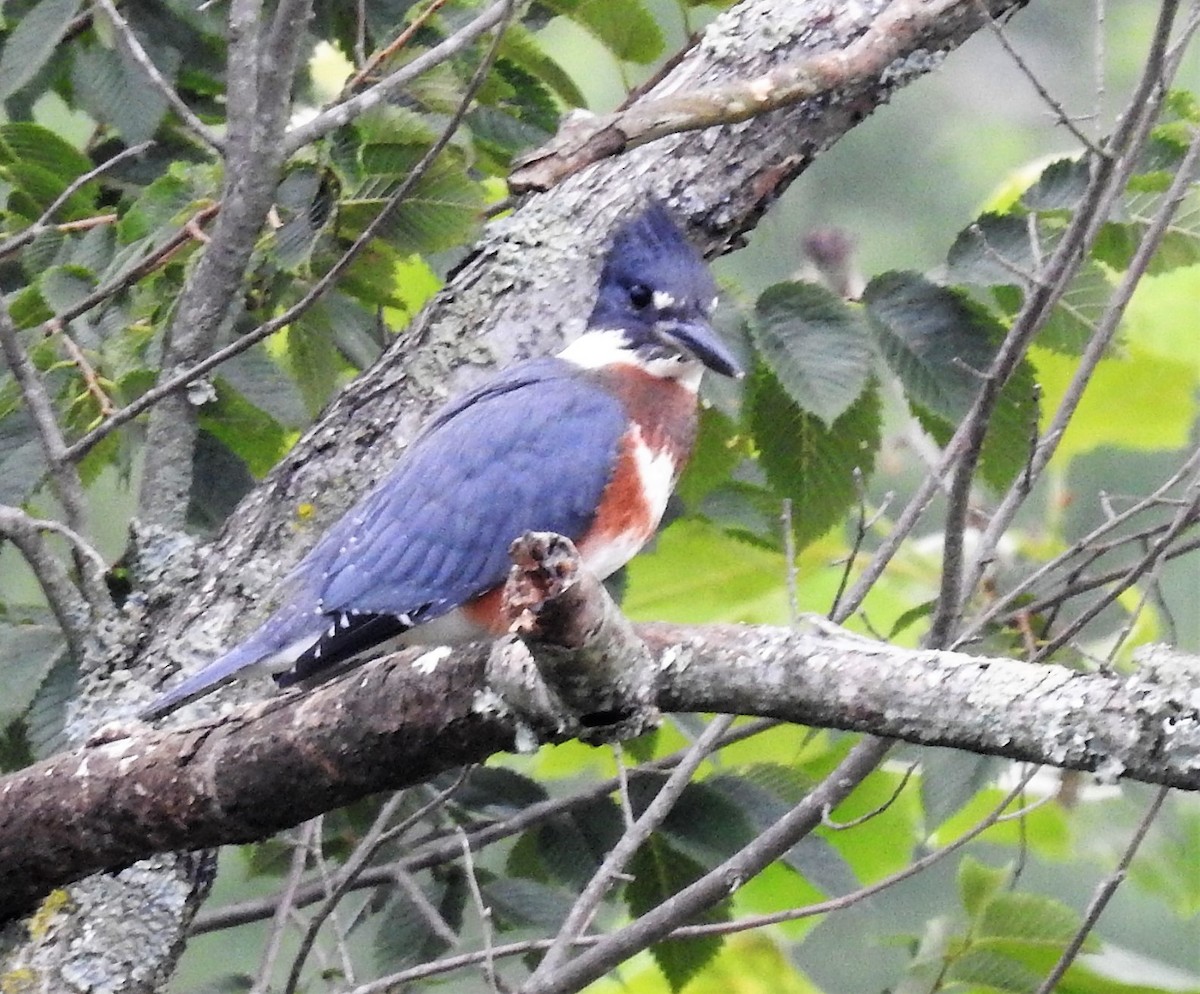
[(663, 300), (713, 306)]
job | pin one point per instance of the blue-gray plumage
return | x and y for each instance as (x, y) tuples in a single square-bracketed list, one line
[(587, 444)]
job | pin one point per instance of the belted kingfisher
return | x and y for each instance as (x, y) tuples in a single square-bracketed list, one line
[(588, 443)]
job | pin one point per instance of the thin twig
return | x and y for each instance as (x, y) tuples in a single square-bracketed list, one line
[(585, 906), (314, 293), (841, 826), (484, 912), (391, 49), (27, 235), (345, 111), (1132, 574), (441, 850), (129, 40), (69, 608), (451, 963), (1103, 895), (1124, 153), (286, 905), (91, 379), (1059, 111), (1108, 181)]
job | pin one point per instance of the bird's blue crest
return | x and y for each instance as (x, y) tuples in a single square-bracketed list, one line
[(656, 289)]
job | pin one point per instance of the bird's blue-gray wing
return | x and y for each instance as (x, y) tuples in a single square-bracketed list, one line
[(531, 450)]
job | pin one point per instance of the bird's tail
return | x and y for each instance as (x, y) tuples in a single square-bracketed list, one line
[(219, 671)]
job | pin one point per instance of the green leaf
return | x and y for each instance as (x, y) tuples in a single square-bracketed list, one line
[(978, 883), (1029, 917), (113, 90), (405, 934), (443, 209), (304, 201), (625, 27), (949, 779), (934, 338), (806, 461), (717, 451), (33, 41), (314, 358), (164, 202), (817, 345), (1137, 400), (248, 431), (659, 872), (21, 458), (994, 250), (27, 654), (994, 971), (41, 165), (522, 47), (518, 902), (1060, 186)]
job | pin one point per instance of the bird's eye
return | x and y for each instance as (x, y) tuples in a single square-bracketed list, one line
[(640, 295)]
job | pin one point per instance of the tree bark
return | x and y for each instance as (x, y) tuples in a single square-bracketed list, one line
[(401, 719), (521, 292)]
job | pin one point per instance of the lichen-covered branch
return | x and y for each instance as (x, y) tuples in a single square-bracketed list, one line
[(396, 722)]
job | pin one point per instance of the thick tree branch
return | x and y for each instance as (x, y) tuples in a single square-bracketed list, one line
[(395, 722)]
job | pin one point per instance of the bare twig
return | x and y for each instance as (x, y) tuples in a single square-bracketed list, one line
[(24, 237), (70, 609), (309, 836), (402, 39), (1096, 348), (484, 912), (378, 835), (314, 293), (719, 882), (1182, 518), (1109, 176), (133, 48), (437, 852), (584, 908), (1060, 112), (347, 110), (1103, 895)]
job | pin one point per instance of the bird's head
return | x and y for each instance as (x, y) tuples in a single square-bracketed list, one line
[(656, 296)]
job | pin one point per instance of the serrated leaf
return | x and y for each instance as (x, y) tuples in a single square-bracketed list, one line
[(304, 201), (518, 902), (659, 871), (718, 449), (166, 201), (765, 792), (978, 883), (33, 41), (28, 652), (22, 461), (495, 791), (571, 846), (46, 718), (806, 461), (442, 210), (64, 286), (817, 345), (111, 87), (522, 46), (949, 779), (406, 932), (1060, 186), (1031, 917), (994, 970), (936, 340), (625, 27), (259, 378), (313, 357), (994, 250), (248, 431)]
